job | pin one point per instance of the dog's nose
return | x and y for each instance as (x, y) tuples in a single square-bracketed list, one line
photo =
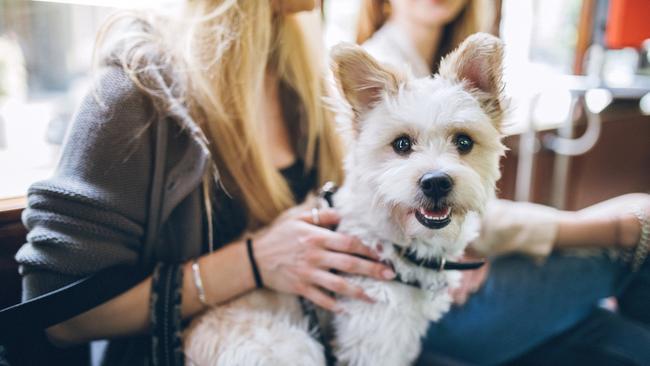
[(436, 184)]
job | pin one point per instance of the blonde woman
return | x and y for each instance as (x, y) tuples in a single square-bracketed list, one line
[(540, 312), (240, 89)]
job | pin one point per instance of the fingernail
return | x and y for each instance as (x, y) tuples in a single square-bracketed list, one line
[(388, 274), (368, 298)]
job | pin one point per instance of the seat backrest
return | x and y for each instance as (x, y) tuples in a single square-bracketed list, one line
[(12, 236)]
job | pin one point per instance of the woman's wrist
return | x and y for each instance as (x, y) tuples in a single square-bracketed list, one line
[(629, 230), (234, 277), (248, 279), (611, 223), (250, 251), (575, 230), (198, 282), (223, 277)]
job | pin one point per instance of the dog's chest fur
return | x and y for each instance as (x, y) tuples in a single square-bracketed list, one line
[(401, 313)]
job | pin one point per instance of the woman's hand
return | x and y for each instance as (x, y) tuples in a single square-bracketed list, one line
[(470, 282), (295, 256), (629, 227), (610, 223)]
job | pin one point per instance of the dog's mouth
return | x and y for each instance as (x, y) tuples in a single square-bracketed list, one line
[(436, 218)]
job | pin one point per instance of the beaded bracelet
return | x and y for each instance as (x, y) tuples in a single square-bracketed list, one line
[(641, 251)]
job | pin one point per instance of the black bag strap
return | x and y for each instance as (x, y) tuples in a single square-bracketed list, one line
[(64, 303), (69, 301), (156, 194)]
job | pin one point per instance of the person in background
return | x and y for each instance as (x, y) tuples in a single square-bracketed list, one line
[(240, 89), (538, 301)]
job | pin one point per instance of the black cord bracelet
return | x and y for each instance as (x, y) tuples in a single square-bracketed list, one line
[(251, 258)]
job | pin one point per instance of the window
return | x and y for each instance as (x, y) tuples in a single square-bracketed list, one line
[(45, 61), (46, 49)]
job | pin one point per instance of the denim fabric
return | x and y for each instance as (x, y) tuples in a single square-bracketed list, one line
[(603, 339), (524, 305)]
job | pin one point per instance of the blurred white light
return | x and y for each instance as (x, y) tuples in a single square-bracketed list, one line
[(553, 107), (644, 104), (122, 4), (619, 68), (597, 99)]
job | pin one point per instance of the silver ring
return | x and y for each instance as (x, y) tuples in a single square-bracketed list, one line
[(443, 261), (315, 217)]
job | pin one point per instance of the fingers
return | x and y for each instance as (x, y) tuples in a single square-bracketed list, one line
[(338, 284), (347, 244), (318, 297), (470, 284), (479, 277), (483, 274), (354, 265), (460, 297), (324, 217), (328, 217), (461, 293)]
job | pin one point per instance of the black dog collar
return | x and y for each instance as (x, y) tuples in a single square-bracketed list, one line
[(437, 264), (327, 193), (434, 264)]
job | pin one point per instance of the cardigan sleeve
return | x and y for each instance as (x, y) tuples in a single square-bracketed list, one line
[(523, 227), (90, 214)]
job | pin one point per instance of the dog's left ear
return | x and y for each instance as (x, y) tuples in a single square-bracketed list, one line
[(478, 62), (362, 80)]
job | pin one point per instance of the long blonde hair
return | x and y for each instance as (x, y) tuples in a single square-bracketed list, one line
[(472, 19), (214, 60)]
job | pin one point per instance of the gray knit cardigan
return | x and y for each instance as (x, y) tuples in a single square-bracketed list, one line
[(91, 213)]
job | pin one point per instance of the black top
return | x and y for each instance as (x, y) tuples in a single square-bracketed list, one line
[(229, 218)]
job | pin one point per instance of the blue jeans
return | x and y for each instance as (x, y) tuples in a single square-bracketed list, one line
[(524, 306)]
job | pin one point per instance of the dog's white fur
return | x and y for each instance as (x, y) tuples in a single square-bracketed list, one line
[(377, 203)]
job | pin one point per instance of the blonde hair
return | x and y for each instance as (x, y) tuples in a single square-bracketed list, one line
[(472, 19), (214, 61)]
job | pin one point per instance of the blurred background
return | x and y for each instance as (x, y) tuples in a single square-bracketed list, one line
[(577, 71)]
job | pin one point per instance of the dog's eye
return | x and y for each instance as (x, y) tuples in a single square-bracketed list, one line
[(402, 145), (464, 143)]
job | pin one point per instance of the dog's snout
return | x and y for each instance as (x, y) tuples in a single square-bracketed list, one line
[(436, 184)]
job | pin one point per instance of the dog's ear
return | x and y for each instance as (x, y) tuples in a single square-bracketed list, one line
[(362, 80), (478, 62)]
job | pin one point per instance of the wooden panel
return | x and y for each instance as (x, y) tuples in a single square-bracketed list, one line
[(618, 164), (585, 31), (12, 236)]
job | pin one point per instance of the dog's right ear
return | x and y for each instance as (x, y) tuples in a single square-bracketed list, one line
[(362, 80), (478, 64)]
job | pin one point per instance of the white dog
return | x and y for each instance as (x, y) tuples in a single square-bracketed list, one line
[(422, 164)]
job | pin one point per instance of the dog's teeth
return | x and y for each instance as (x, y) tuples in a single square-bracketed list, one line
[(428, 216)]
